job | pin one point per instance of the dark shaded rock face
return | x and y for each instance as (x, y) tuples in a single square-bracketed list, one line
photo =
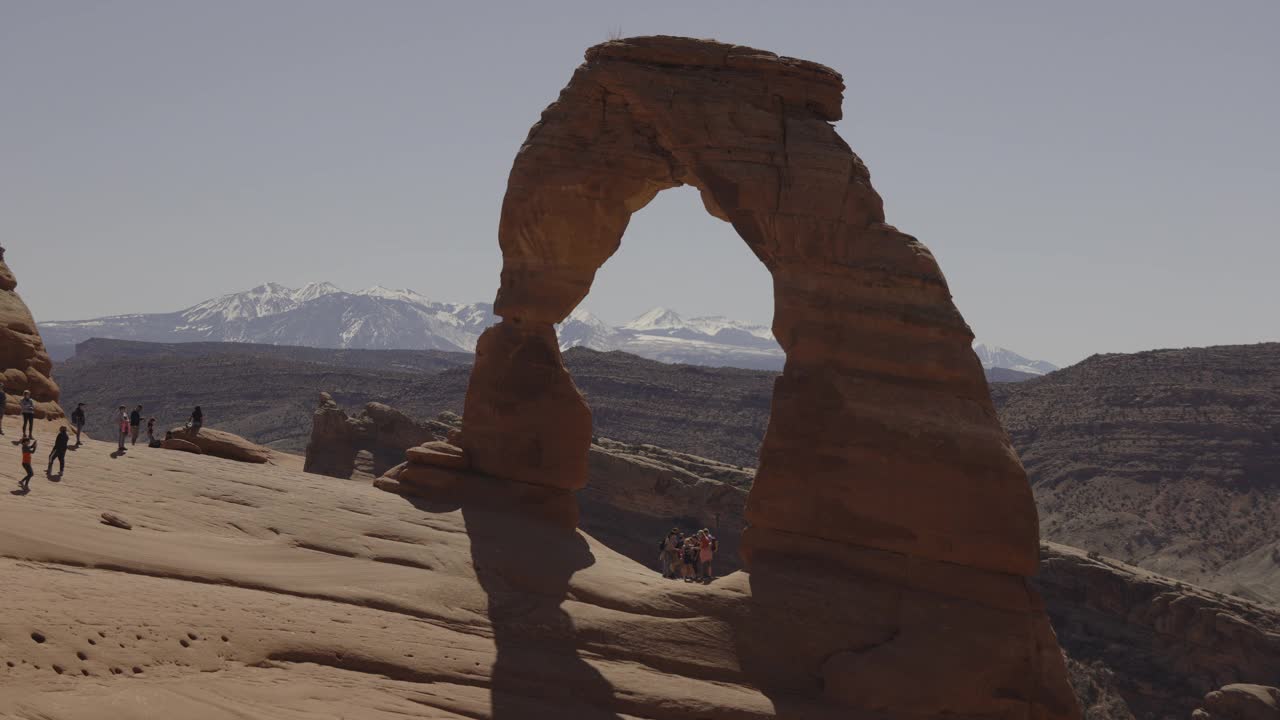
[(1156, 643), (380, 432), (1168, 459), (635, 494)]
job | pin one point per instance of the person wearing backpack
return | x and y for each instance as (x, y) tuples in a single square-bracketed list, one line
[(28, 414), (77, 421)]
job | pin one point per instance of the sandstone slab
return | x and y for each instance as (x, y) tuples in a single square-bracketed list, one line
[(223, 444)]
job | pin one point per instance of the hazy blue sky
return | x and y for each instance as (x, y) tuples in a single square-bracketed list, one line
[(1093, 176)]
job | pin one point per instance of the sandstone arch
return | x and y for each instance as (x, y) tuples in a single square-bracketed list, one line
[(882, 434)]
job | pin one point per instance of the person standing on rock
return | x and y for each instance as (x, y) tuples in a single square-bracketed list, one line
[(706, 551), (197, 419), (28, 448), (59, 451), (122, 426), (135, 422), (151, 432), (28, 414), (673, 553), (77, 421)]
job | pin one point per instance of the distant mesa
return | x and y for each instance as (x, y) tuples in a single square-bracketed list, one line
[(24, 363)]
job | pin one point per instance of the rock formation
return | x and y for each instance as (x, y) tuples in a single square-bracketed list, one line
[(219, 444), (382, 431), (1163, 644), (24, 364), (884, 469), (1240, 702)]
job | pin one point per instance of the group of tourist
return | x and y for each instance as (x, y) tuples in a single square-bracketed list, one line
[(129, 424), (688, 557)]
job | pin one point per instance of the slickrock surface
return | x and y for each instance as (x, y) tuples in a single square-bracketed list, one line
[(1168, 459), (884, 466), (24, 364), (261, 591), (1158, 643)]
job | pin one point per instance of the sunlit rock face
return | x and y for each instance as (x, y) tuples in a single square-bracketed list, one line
[(24, 364)]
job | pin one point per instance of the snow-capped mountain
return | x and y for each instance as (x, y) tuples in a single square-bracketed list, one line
[(998, 357), (316, 315), (662, 334), (321, 314)]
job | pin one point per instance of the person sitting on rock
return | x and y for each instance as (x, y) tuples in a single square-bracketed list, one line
[(28, 414), (59, 451), (197, 419)]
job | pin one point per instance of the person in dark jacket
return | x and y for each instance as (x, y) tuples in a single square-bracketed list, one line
[(135, 422), (77, 421), (197, 420), (59, 451)]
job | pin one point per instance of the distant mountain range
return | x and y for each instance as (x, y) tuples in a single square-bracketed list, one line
[(322, 315)]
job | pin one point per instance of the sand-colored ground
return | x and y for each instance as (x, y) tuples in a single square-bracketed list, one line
[(251, 591)]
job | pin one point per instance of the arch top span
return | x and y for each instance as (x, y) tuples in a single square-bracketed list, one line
[(882, 433)]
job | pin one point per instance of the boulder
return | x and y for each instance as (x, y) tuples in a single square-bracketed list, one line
[(1240, 702), (24, 363), (222, 444), (116, 521)]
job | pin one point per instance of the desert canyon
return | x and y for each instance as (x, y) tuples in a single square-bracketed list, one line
[(491, 565)]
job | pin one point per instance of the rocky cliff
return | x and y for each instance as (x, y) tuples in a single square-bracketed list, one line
[(24, 364), (1158, 644)]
